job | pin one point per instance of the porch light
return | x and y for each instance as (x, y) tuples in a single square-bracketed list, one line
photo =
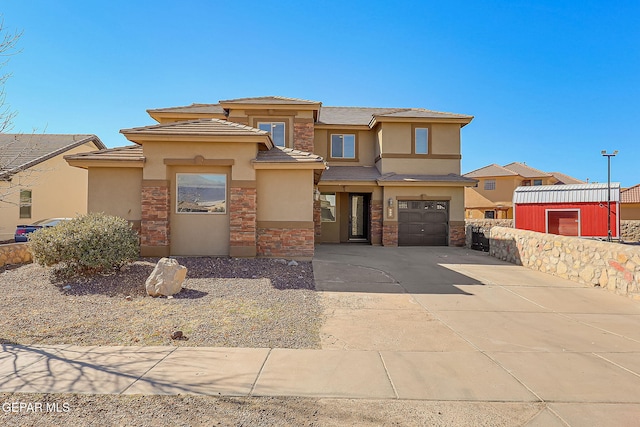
[(390, 202), (609, 156), (316, 194)]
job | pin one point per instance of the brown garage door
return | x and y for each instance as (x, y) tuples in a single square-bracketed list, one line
[(423, 223)]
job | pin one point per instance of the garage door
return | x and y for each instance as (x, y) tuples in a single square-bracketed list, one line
[(564, 223), (423, 223)]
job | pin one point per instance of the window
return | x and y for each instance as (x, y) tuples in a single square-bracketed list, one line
[(328, 207), (276, 130), (421, 141), (343, 146), (526, 183), (537, 182), (489, 184), (25, 203), (490, 214), (204, 193)]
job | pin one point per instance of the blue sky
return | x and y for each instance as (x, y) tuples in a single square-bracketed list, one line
[(550, 83)]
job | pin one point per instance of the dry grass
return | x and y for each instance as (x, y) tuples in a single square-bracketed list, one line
[(224, 303)]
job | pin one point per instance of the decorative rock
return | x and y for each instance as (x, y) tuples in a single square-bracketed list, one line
[(66, 288), (292, 263), (128, 298), (177, 335), (166, 278)]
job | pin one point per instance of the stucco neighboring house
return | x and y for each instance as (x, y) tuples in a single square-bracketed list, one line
[(36, 182), (492, 197), (272, 176), (630, 203)]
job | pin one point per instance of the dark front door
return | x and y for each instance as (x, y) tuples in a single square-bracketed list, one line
[(359, 217), (423, 223)]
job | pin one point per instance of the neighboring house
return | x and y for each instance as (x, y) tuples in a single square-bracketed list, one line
[(630, 203), (492, 196), (568, 210), (272, 176), (35, 181)]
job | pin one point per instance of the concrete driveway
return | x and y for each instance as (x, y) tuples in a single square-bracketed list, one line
[(451, 324)]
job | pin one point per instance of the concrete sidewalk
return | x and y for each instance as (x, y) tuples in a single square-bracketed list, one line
[(437, 324)]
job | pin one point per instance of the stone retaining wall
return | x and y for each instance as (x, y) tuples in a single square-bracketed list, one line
[(613, 266), (14, 253), (630, 230), (483, 225)]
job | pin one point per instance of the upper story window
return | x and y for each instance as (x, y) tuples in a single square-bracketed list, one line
[(25, 203), (421, 145), (526, 183), (489, 184), (276, 129), (537, 182), (343, 146)]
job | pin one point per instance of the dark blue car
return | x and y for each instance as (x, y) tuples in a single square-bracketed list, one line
[(23, 230)]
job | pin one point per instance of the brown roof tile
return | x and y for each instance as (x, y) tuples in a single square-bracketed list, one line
[(351, 173), (490, 170), (566, 179), (525, 171), (364, 115), (630, 195), (452, 177), (198, 127), (193, 108), (131, 153), (21, 151), (270, 100), (286, 155)]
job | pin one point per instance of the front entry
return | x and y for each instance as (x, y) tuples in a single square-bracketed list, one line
[(359, 204)]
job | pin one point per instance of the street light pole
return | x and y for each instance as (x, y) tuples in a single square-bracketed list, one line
[(609, 156)]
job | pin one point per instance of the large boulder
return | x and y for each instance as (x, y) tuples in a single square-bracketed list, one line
[(166, 278)]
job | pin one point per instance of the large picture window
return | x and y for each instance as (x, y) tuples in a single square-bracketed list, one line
[(343, 146), (276, 129), (204, 193)]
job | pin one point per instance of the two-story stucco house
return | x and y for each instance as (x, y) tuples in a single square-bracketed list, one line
[(36, 182), (272, 176), (492, 197)]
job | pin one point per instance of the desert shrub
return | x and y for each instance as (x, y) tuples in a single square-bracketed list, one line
[(87, 244)]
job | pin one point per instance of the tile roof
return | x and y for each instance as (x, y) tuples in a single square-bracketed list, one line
[(270, 100), (286, 155), (630, 195), (131, 153), (525, 171), (364, 115), (566, 179), (209, 127), (491, 170), (20, 151), (351, 173), (193, 108), (452, 177)]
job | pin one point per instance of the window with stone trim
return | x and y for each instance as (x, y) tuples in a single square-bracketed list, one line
[(343, 146), (276, 130), (202, 193)]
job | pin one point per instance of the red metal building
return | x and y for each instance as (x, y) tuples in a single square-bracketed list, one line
[(568, 210)]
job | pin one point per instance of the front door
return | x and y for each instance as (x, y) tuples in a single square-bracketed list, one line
[(359, 217)]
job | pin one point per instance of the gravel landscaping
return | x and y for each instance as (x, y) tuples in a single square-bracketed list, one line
[(225, 302)]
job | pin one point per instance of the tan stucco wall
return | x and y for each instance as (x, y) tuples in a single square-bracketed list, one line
[(365, 151), (445, 138), (285, 195), (58, 190), (241, 152), (116, 191), (630, 211), (198, 233), (420, 166)]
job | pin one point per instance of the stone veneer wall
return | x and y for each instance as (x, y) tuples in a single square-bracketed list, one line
[(286, 242), (613, 266), (484, 226), (377, 211), (390, 234), (630, 230), (317, 218), (242, 221), (303, 136), (457, 233), (154, 226), (14, 253)]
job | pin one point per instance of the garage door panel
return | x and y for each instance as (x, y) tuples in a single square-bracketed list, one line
[(423, 223)]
